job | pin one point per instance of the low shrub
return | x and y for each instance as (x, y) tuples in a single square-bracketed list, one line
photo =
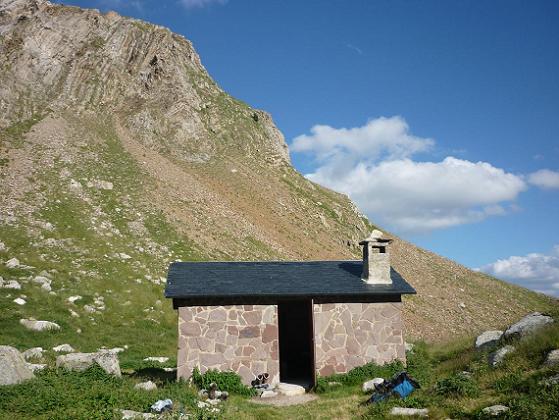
[(225, 381), (457, 385)]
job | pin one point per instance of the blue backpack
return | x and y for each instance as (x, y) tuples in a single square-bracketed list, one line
[(401, 385)]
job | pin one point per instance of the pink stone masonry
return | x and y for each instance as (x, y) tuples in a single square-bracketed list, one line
[(348, 335), (240, 338)]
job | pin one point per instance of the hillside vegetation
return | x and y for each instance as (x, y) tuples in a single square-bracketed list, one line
[(456, 382)]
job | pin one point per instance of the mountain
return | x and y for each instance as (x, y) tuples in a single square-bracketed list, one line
[(119, 154)]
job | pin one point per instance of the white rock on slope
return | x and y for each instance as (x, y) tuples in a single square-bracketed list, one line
[(13, 368), (35, 325)]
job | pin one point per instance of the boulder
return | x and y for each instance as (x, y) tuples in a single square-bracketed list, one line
[(488, 339), (13, 368), (75, 361), (527, 325), (497, 357), (108, 362), (81, 361), (552, 358), (33, 353), (371, 385), (146, 386), (64, 348), (290, 390), (495, 410), (35, 325), (405, 411)]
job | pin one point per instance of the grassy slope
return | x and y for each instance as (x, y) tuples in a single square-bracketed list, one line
[(445, 392)]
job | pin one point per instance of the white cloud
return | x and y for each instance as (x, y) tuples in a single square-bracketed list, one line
[(373, 165), (379, 138), (544, 178), (199, 4), (535, 271)]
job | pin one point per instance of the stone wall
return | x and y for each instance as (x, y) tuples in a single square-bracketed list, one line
[(352, 334), (241, 338)]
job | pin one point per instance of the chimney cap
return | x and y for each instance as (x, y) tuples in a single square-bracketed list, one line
[(376, 236)]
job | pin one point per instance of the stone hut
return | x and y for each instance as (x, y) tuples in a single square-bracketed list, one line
[(289, 319)]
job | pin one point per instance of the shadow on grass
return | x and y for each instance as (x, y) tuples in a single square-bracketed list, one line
[(153, 373)]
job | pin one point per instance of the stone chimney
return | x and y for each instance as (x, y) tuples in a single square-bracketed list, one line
[(376, 259)]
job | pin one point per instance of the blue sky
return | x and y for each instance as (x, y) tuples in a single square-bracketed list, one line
[(439, 118)]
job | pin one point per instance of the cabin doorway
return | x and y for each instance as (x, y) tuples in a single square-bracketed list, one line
[(296, 343)]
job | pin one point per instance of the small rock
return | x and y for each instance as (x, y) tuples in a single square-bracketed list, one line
[(290, 389), (46, 287), (495, 410), (100, 185), (498, 356), (20, 301), (371, 385), (89, 309), (133, 415), (528, 324), (11, 284), (156, 359), (64, 348), (462, 305), (488, 338), (202, 404), (552, 380), (13, 368), (162, 405), (72, 299), (33, 353), (552, 358), (34, 325), (408, 346), (146, 386), (12, 263), (41, 280), (36, 367), (405, 411), (268, 394), (203, 394), (214, 401), (2, 247)]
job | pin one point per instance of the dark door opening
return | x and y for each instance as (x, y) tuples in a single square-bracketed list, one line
[(296, 343)]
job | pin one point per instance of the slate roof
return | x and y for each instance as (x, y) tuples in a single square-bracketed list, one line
[(236, 282)]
